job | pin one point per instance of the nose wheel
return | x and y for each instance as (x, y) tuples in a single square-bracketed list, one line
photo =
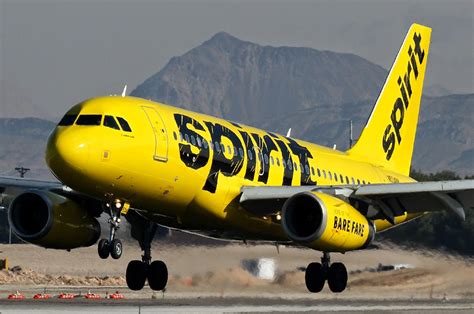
[(318, 273), (112, 246)]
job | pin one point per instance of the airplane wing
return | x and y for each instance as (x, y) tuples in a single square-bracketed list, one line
[(13, 186), (375, 200)]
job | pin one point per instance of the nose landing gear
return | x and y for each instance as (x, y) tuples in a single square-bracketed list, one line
[(112, 246), (317, 274)]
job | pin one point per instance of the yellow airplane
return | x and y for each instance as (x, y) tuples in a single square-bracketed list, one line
[(156, 164)]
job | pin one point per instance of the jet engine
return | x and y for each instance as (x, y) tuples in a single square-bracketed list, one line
[(52, 221), (325, 223)]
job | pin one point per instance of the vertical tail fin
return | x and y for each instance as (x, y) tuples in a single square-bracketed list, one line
[(389, 135)]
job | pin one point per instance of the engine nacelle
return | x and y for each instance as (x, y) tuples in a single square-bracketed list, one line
[(52, 221), (325, 223)]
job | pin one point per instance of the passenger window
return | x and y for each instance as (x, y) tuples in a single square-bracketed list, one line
[(229, 149), (347, 180), (249, 152), (217, 147), (124, 124), (211, 145), (307, 169), (342, 178), (312, 171), (290, 165), (330, 175), (223, 148), (271, 159), (89, 119), (363, 181), (335, 176), (236, 152), (295, 166), (68, 119), (204, 143), (198, 140), (324, 174), (241, 152), (180, 136), (187, 138), (109, 122), (193, 140), (353, 181), (278, 162), (265, 157), (283, 163), (358, 181), (174, 136), (319, 172)]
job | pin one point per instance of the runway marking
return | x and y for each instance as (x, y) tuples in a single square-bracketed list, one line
[(122, 308)]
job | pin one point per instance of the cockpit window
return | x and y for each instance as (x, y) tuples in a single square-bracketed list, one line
[(68, 119), (110, 122), (124, 124), (89, 119)]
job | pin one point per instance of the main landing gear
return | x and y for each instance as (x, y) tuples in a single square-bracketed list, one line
[(139, 271), (112, 246), (317, 274)]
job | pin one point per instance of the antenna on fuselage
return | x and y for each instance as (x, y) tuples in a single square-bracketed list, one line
[(288, 134), (124, 92)]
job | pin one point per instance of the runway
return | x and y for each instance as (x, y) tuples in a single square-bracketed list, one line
[(234, 305)]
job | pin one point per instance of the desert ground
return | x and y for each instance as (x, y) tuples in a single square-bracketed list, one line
[(201, 271)]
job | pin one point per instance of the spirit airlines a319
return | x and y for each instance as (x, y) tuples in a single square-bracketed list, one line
[(156, 164)]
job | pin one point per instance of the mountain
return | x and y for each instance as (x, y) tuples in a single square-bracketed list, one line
[(436, 90), (314, 92), (445, 139), (243, 81), (17, 103), (22, 144)]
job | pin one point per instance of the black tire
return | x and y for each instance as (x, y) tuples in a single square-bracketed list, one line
[(157, 275), (337, 277), (314, 277), (103, 248), (116, 249), (136, 275)]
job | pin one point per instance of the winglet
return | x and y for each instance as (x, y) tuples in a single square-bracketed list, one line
[(288, 134)]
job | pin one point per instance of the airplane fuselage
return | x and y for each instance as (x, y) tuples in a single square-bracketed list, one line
[(186, 170)]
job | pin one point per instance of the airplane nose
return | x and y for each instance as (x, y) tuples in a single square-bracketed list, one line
[(67, 153)]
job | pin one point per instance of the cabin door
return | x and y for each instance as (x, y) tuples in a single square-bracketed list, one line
[(159, 130)]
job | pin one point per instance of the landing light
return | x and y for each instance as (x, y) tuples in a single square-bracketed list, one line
[(278, 217), (118, 204)]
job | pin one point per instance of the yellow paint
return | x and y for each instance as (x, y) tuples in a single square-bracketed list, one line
[(144, 166), (369, 145), (341, 237), (125, 208)]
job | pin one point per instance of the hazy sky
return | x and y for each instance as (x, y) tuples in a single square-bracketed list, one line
[(54, 54)]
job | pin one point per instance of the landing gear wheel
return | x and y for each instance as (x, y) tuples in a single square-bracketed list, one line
[(314, 277), (136, 275), (337, 277), (157, 275), (116, 249), (103, 248)]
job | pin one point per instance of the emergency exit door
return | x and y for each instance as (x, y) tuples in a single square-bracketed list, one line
[(159, 130)]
